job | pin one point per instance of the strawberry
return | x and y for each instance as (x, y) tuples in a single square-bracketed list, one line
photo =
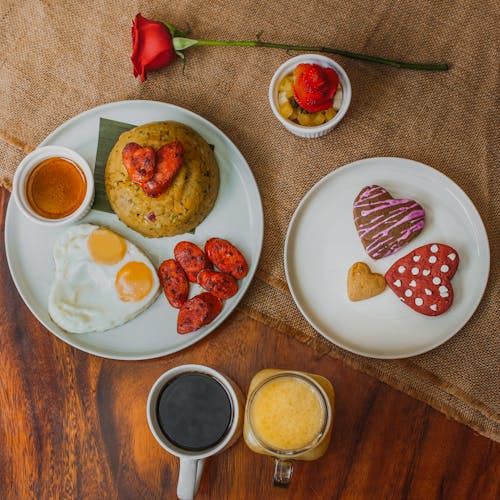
[(314, 87)]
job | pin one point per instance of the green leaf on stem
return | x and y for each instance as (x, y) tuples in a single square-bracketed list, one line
[(183, 58), (183, 43)]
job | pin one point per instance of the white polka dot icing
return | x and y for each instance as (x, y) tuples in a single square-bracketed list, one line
[(426, 284), (401, 269), (397, 283)]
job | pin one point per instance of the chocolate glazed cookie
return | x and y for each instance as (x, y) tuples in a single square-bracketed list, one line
[(385, 224)]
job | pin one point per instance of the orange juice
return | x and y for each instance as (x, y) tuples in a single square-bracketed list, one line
[(289, 414)]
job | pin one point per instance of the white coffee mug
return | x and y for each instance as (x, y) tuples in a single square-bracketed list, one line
[(191, 462)]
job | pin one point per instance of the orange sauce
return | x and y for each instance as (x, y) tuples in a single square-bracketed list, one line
[(55, 188)]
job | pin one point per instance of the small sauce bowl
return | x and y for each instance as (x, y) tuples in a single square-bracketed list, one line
[(24, 184), (285, 69)]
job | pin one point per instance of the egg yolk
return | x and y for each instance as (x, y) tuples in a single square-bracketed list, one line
[(133, 281), (106, 247)]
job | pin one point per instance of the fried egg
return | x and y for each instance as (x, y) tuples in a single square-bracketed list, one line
[(101, 280)]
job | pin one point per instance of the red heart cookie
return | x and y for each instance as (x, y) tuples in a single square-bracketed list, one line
[(422, 278)]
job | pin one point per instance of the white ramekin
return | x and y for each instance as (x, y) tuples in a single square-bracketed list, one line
[(35, 158), (288, 67)]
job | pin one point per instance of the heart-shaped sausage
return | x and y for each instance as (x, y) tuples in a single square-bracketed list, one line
[(139, 162), (385, 224), (362, 283), (422, 279)]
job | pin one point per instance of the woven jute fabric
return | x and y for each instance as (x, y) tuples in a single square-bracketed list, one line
[(61, 58)]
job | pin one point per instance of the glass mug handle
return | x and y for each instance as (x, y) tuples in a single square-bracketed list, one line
[(282, 472), (189, 477)]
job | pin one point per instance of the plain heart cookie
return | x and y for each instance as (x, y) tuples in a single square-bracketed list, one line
[(385, 224), (362, 283), (422, 279)]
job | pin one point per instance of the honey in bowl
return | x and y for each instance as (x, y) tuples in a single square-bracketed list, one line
[(56, 188)]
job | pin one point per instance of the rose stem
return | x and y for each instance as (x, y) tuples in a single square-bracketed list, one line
[(353, 55)]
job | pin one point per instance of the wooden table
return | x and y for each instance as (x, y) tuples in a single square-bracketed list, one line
[(74, 425)]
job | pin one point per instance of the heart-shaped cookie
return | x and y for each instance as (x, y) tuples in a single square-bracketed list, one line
[(362, 283), (422, 279), (385, 224)]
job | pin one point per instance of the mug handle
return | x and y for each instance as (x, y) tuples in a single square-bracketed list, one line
[(282, 472), (189, 477)]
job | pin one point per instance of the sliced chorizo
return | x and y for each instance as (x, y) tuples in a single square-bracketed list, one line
[(192, 259), (174, 281), (168, 161), (197, 312), (222, 285), (214, 306), (226, 257)]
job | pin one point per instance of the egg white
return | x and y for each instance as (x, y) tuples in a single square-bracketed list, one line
[(83, 297)]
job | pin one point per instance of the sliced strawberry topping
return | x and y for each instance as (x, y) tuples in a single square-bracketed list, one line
[(314, 87)]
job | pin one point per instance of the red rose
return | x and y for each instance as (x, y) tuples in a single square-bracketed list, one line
[(152, 46)]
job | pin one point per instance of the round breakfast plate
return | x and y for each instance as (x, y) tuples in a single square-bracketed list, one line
[(236, 216), (322, 244)]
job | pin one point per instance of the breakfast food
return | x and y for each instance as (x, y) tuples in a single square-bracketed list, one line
[(153, 171), (192, 259), (226, 257), (198, 311), (192, 265), (310, 96), (221, 285), (385, 224), (190, 193), (174, 282), (362, 283), (422, 279), (101, 280), (139, 162)]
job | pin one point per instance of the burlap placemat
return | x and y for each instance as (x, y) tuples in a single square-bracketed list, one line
[(61, 58)]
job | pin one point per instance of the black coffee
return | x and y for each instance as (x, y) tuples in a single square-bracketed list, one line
[(194, 411)]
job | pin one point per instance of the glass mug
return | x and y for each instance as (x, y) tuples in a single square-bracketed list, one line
[(194, 412), (289, 416)]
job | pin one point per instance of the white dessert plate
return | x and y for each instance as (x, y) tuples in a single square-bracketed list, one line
[(322, 244), (236, 216)]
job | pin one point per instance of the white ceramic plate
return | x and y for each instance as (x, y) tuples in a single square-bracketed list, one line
[(322, 244), (237, 216)]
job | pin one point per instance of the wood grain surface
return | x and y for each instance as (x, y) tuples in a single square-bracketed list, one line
[(74, 425)]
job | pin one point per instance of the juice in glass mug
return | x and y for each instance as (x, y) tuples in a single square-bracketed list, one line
[(289, 416)]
